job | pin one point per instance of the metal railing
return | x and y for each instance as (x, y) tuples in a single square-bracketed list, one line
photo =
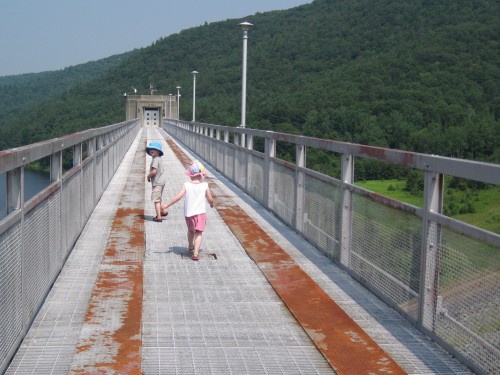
[(37, 235), (440, 273)]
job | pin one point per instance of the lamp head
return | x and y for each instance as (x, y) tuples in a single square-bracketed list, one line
[(246, 25)]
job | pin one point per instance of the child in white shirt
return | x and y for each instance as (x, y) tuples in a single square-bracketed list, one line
[(194, 192)]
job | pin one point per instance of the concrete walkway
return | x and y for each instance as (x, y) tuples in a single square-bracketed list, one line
[(219, 315)]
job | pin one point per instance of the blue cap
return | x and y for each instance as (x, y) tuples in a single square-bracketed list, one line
[(156, 146)]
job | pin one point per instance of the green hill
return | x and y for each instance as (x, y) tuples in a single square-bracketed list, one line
[(408, 74), (18, 92)]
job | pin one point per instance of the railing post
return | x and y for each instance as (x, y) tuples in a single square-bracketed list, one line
[(270, 153), (77, 160), (346, 209), (300, 161), (236, 142), (15, 189), (250, 141), (226, 150), (249, 146), (99, 146), (431, 240), (91, 148), (56, 166), (77, 154), (242, 140)]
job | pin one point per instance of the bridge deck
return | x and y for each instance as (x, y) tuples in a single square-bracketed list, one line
[(130, 299)]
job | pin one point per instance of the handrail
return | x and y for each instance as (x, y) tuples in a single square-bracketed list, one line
[(413, 258), (47, 226)]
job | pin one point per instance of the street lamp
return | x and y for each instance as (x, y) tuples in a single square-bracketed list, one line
[(178, 101), (194, 73), (245, 26)]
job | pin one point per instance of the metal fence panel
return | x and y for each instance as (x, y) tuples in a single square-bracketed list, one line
[(99, 181), (321, 216), (36, 258), (229, 163), (284, 193), (55, 250), (382, 242), (208, 149), (212, 151), (71, 189), (240, 168), (468, 308), (385, 253), (219, 164), (105, 169), (87, 191), (256, 178), (11, 308), (36, 239)]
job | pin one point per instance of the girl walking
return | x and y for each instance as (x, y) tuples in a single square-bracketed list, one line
[(194, 192)]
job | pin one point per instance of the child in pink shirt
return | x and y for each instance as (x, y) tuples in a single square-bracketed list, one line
[(194, 192)]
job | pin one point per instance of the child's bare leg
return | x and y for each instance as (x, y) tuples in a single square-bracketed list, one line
[(190, 236), (158, 209), (197, 242)]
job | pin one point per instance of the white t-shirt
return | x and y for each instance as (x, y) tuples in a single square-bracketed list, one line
[(194, 200)]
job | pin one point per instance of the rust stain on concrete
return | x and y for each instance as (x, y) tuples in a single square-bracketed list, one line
[(345, 345), (110, 342)]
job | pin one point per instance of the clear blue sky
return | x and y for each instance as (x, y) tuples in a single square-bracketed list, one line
[(42, 35)]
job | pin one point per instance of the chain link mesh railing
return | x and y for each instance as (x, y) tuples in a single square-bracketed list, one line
[(321, 221), (37, 236), (385, 252), (441, 274), (468, 309)]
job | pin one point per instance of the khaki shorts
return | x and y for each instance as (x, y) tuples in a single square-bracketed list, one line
[(156, 193)]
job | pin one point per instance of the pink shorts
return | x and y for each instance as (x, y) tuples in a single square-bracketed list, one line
[(196, 223)]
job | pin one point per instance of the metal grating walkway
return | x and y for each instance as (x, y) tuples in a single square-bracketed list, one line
[(218, 315)]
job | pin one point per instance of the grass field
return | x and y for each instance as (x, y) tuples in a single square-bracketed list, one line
[(486, 202)]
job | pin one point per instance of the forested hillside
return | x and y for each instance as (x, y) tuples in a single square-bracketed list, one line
[(19, 92), (410, 74)]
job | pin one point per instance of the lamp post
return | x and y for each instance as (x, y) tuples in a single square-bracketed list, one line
[(194, 73), (178, 101), (245, 26)]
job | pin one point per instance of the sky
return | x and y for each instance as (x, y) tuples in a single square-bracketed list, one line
[(45, 35)]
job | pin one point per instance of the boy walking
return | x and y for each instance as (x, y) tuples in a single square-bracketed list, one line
[(194, 192), (157, 177)]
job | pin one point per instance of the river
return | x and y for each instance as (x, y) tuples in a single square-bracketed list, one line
[(34, 182)]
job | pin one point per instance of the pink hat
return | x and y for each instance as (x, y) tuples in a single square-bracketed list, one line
[(196, 169)]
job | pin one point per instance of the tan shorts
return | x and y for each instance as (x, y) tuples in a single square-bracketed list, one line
[(156, 193)]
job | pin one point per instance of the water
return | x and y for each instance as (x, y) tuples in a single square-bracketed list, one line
[(34, 182)]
